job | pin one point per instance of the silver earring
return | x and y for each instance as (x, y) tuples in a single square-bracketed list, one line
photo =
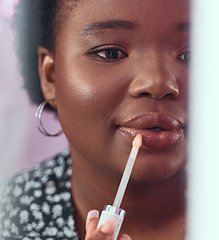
[(40, 126)]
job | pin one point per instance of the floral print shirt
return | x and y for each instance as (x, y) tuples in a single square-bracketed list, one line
[(37, 204)]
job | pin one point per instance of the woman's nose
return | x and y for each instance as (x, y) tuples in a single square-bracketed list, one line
[(157, 83)]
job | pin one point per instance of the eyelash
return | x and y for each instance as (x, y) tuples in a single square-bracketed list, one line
[(113, 53), (109, 54), (184, 57)]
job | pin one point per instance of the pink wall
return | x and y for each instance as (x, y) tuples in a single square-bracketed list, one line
[(21, 144)]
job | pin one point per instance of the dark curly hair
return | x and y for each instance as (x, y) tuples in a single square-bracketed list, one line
[(35, 23)]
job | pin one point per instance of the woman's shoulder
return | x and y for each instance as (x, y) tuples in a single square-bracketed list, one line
[(29, 181), (38, 202)]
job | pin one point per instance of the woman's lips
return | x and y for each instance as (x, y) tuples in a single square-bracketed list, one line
[(158, 130)]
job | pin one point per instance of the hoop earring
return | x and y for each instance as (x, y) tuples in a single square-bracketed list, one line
[(38, 117)]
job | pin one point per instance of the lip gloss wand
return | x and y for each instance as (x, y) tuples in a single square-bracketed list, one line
[(115, 210)]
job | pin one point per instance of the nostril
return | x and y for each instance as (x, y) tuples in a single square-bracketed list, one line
[(145, 94), (171, 95)]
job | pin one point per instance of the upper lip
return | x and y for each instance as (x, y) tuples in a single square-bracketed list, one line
[(153, 120)]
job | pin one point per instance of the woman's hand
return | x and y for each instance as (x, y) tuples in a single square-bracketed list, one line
[(105, 232)]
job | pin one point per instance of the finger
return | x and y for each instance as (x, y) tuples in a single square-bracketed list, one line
[(105, 232), (92, 214), (92, 228), (110, 226)]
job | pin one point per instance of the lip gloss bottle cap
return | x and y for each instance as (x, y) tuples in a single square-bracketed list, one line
[(114, 210), (110, 211)]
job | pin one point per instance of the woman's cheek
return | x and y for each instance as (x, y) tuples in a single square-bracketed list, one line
[(82, 97), (92, 85)]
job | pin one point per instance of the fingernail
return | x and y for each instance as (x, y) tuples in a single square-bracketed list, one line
[(110, 225), (91, 214)]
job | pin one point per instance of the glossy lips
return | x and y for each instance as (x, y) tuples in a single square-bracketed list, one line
[(159, 131)]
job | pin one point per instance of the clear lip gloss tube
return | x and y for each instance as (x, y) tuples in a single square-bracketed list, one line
[(114, 211)]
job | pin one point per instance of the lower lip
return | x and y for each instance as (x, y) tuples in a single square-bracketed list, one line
[(155, 139)]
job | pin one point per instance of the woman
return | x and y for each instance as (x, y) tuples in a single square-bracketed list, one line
[(111, 69)]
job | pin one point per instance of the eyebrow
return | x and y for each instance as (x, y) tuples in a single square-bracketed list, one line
[(111, 24)]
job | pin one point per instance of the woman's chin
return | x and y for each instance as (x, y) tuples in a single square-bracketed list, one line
[(157, 168)]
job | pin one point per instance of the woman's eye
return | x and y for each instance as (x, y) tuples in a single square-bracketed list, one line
[(184, 57), (109, 54), (112, 54)]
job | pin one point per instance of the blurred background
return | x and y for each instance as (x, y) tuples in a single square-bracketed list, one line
[(21, 144)]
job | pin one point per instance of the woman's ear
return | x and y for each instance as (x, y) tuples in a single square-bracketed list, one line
[(47, 74)]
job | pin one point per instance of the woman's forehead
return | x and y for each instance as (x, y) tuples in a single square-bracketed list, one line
[(147, 11), (93, 17)]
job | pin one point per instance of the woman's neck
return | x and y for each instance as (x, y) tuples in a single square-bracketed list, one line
[(158, 209)]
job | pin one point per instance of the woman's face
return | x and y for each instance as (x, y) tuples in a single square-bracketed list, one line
[(121, 68)]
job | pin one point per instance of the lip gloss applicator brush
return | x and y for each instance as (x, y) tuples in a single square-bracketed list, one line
[(114, 210)]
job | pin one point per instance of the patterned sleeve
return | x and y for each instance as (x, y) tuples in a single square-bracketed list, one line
[(38, 204)]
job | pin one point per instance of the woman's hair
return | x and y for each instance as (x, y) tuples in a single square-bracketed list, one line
[(35, 23)]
